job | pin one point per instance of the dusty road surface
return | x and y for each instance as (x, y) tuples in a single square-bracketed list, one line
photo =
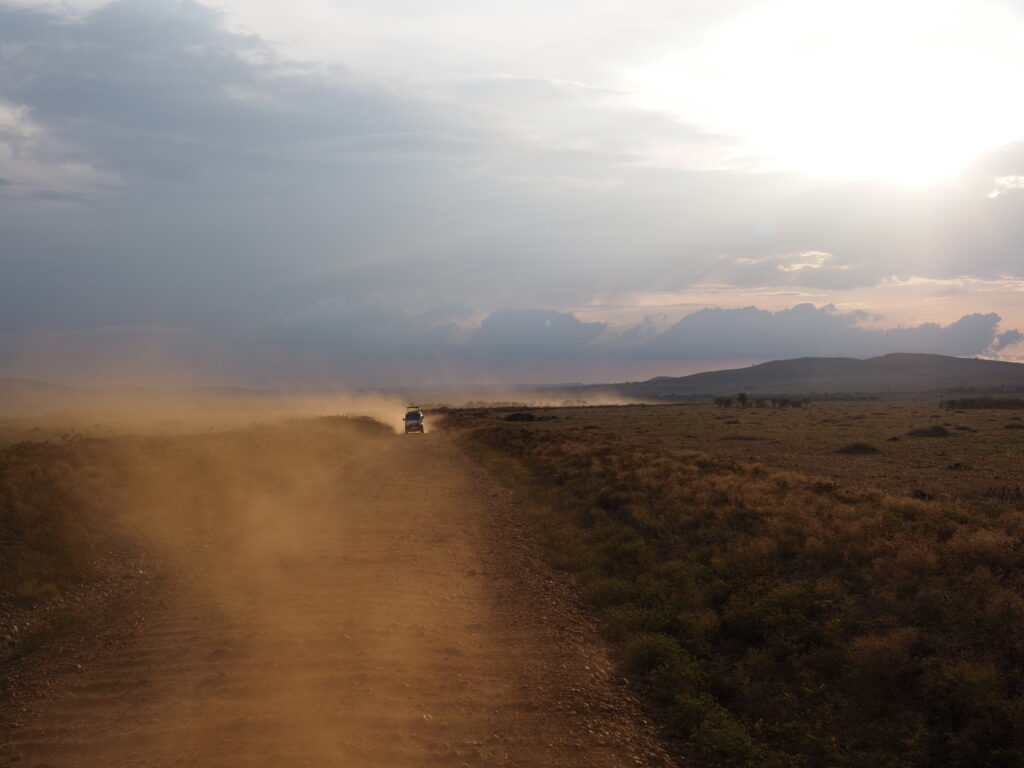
[(387, 610)]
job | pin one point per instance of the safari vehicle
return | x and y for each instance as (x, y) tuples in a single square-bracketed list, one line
[(413, 419)]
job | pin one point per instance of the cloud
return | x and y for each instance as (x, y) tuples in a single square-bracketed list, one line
[(1007, 339), (812, 269), (352, 335), (388, 345), (806, 330), (35, 164), (160, 167), (1003, 184), (532, 335), (336, 344), (157, 90)]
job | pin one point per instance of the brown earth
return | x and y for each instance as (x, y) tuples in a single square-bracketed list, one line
[(391, 612)]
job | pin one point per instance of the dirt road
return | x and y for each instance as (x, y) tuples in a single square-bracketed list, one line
[(394, 615)]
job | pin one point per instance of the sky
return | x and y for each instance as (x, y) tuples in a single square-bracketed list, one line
[(407, 193)]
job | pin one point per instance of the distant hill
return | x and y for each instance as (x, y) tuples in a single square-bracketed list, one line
[(898, 373)]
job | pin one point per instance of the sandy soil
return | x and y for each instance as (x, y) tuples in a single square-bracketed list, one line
[(397, 616)]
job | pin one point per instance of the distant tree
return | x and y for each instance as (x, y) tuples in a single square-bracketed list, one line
[(723, 402), (742, 399)]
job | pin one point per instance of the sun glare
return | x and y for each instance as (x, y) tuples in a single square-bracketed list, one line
[(900, 90)]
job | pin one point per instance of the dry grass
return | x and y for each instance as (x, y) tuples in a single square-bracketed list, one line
[(980, 458), (787, 604)]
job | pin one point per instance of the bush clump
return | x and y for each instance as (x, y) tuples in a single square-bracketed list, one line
[(604, 592), (936, 430), (858, 449), (521, 416)]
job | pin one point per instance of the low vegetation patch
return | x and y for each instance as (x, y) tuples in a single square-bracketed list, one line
[(782, 620), (967, 403), (529, 416), (858, 449), (521, 416), (936, 430)]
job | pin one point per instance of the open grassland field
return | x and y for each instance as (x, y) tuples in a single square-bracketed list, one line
[(838, 584), (900, 447)]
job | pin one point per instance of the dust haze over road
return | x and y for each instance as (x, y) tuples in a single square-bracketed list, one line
[(367, 603)]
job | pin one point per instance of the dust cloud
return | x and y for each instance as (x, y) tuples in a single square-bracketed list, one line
[(263, 621), (314, 573), (330, 594), (34, 412), (526, 398)]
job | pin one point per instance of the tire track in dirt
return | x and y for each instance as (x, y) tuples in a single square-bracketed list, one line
[(400, 618)]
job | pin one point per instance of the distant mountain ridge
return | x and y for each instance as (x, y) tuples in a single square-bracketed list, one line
[(896, 373)]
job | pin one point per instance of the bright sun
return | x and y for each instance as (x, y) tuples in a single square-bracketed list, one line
[(900, 90)]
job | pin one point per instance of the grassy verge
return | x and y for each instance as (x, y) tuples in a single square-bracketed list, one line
[(779, 619)]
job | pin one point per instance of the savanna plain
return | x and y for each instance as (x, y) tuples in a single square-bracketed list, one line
[(834, 584)]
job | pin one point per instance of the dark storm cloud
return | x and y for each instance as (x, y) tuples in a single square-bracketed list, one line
[(533, 334), (389, 339), (158, 89), (234, 180), (365, 344), (340, 344), (357, 333)]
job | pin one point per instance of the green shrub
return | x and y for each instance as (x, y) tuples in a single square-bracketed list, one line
[(717, 737), (858, 449), (646, 651), (603, 592), (936, 430)]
